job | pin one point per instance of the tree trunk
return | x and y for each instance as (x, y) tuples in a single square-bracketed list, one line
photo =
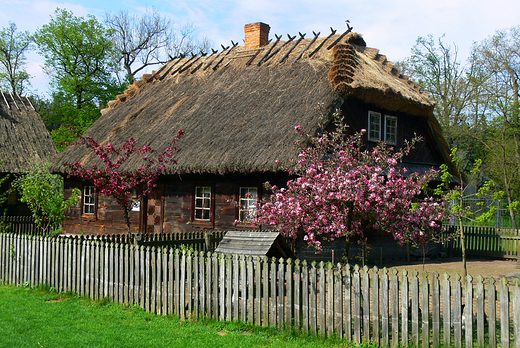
[(463, 247), (344, 258)]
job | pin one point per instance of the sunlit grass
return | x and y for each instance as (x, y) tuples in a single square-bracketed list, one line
[(43, 318)]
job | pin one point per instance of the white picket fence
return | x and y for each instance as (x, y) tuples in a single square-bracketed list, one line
[(386, 308)]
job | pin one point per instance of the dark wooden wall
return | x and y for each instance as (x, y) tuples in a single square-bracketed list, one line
[(178, 198), (425, 152)]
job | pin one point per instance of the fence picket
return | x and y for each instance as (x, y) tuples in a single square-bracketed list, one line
[(492, 313), (425, 302), (273, 301), (516, 313), (321, 299), (258, 291), (305, 296), (385, 305), (436, 310), (338, 304), (375, 306), (313, 290), (405, 309), (504, 312), (265, 294), (468, 312), (356, 294)]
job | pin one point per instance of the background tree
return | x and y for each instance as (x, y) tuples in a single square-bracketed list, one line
[(113, 180), (499, 57), (149, 39), (435, 66), (13, 47), (342, 188), (43, 193), (472, 187), (77, 54)]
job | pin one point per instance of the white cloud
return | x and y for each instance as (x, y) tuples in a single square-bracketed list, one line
[(390, 25)]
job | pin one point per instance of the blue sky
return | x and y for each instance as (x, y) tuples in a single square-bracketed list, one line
[(391, 25)]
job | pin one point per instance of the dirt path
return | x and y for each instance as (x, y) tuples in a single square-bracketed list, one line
[(485, 267)]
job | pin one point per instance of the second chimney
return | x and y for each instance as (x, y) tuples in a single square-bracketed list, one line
[(257, 35)]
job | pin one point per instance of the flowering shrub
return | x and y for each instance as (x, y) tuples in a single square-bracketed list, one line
[(115, 181), (342, 188)]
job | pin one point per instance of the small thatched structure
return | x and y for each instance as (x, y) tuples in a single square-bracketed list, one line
[(23, 136), (239, 107)]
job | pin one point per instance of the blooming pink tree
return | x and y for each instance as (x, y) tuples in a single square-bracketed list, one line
[(112, 179), (342, 188)]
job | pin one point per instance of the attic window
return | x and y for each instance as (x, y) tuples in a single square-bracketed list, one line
[(377, 130), (374, 126), (390, 129)]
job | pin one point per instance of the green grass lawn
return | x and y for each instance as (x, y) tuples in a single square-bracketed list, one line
[(42, 318)]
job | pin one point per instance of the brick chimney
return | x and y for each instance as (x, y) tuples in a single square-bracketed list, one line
[(257, 35)]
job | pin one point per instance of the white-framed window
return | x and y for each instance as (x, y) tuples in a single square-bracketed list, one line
[(374, 126), (390, 129), (89, 200), (202, 203), (136, 203), (247, 204)]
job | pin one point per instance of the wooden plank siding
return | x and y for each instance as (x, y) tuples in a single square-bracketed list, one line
[(359, 304)]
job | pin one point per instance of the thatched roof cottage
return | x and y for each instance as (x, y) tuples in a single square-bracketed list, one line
[(238, 108), (24, 140)]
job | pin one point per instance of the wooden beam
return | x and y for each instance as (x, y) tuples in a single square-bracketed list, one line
[(302, 36), (332, 32), (307, 47)]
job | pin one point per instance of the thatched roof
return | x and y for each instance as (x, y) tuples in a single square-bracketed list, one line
[(239, 107), (23, 136)]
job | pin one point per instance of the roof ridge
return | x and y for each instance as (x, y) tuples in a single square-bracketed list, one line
[(189, 64)]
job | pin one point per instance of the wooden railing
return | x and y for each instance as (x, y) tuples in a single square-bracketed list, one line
[(361, 305)]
